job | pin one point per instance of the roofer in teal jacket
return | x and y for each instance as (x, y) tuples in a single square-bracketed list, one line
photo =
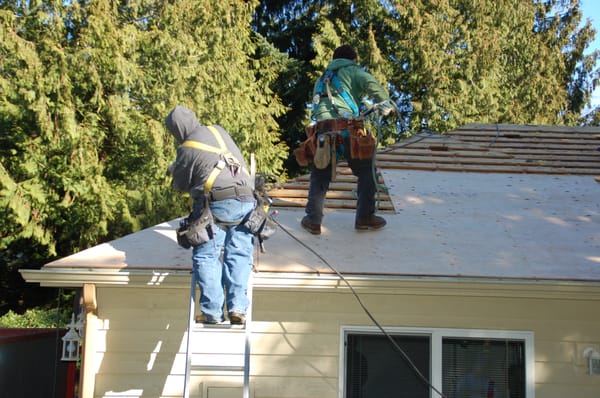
[(335, 110)]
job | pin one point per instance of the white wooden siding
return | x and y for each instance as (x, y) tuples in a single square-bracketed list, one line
[(141, 344)]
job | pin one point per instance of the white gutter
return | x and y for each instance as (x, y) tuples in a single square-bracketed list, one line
[(371, 284)]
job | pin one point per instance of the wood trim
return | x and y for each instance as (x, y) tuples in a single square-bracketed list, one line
[(89, 298), (87, 380)]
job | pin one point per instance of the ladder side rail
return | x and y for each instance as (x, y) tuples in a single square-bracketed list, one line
[(188, 354), (247, 342), (247, 326)]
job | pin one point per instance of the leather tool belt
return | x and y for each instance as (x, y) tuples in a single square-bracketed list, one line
[(339, 125), (230, 193), (362, 142)]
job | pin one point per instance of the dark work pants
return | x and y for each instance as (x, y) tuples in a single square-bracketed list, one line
[(319, 185)]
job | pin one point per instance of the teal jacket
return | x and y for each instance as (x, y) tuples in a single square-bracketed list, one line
[(357, 82)]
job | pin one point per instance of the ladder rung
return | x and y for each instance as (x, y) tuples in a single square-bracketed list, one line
[(223, 325), (217, 359), (213, 349), (205, 368)]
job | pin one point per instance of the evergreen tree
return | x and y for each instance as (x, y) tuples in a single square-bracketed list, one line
[(84, 89), (289, 26), (451, 62)]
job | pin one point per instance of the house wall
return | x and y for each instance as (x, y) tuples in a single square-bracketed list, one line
[(140, 348)]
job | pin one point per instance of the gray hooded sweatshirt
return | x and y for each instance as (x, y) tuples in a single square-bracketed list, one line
[(193, 166)]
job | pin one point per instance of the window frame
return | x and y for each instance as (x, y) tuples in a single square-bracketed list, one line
[(436, 335)]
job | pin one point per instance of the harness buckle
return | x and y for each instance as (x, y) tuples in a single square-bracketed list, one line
[(221, 164)]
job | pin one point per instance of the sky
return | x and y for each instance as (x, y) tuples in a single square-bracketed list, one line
[(591, 11)]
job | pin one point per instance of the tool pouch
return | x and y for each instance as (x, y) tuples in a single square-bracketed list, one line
[(305, 153), (362, 144), (256, 219), (323, 152), (260, 222), (196, 232)]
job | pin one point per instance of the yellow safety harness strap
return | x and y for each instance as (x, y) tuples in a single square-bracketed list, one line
[(218, 137), (222, 151)]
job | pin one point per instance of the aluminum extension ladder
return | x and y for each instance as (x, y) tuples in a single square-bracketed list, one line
[(197, 331)]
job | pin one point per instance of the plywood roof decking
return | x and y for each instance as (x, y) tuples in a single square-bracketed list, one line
[(478, 148), (514, 212)]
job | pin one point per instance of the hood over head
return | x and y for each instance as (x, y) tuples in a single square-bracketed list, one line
[(339, 63), (181, 122)]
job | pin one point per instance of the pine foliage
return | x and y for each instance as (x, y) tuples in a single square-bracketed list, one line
[(452, 62), (84, 89)]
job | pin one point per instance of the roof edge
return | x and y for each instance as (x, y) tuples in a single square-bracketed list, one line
[(374, 284)]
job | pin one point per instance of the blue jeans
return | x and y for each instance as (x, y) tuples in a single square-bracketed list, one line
[(319, 185), (225, 279)]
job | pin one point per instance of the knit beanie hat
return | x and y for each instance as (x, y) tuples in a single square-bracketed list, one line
[(345, 51)]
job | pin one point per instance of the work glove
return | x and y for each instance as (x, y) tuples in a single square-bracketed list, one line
[(385, 108)]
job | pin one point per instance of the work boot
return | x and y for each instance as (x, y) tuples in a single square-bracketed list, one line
[(314, 229), (371, 223), (237, 318), (202, 318)]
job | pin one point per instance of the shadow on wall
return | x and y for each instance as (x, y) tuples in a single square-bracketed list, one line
[(141, 338)]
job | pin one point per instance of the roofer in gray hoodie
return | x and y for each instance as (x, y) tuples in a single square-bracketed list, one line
[(209, 165)]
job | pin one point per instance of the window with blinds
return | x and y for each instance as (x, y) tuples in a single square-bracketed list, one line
[(460, 363), (483, 368)]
